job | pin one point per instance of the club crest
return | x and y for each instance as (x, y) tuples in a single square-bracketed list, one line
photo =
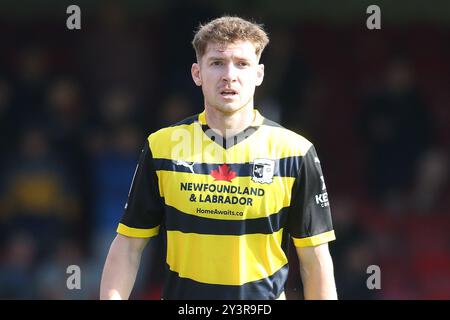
[(263, 170)]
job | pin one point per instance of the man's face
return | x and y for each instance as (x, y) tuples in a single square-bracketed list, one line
[(228, 75)]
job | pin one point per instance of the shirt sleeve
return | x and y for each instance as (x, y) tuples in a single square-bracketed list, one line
[(309, 217), (144, 208)]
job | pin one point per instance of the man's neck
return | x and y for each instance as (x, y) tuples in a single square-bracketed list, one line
[(230, 124)]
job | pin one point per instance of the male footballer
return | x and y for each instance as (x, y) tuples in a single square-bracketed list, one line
[(230, 187)]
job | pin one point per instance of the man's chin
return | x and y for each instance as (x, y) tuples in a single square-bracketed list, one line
[(228, 108), (232, 111)]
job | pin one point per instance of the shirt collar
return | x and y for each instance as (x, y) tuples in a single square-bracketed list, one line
[(257, 120)]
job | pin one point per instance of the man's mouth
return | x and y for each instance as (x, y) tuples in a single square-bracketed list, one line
[(228, 92)]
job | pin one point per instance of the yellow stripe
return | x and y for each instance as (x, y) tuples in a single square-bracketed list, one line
[(224, 259), (315, 240), (137, 233), (277, 195), (190, 143), (202, 117), (259, 119)]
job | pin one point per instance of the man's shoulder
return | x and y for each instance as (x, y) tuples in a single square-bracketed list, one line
[(163, 131), (187, 121), (285, 136)]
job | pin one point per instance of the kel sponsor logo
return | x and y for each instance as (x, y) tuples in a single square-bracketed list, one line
[(322, 199)]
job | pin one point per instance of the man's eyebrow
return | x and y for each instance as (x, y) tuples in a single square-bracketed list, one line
[(218, 58), (215, 58), (243, 59)]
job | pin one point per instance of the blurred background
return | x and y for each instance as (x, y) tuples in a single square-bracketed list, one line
[(77, 105)]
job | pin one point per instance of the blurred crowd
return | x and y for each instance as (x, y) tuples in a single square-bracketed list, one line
[(77, 106)]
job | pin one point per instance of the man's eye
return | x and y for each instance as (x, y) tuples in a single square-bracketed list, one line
[(216, 63), (243, 64)]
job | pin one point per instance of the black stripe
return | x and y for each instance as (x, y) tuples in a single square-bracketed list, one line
[(284, 167), (270, 288), (202, 224), (228, 142)]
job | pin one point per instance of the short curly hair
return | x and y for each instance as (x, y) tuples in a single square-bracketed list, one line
[(229, 29)]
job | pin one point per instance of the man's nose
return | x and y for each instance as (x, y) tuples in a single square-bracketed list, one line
[(230, 73)]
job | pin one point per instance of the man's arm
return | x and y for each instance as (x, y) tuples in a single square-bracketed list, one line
[(316, 270), (121, 267)]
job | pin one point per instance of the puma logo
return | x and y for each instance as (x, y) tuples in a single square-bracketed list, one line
[(185, 164)]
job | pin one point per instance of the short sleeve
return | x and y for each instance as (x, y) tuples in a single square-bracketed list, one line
[(309, 217), (144, 208)]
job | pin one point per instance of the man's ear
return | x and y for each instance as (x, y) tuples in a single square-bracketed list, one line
[(259, 74), (196, 76)]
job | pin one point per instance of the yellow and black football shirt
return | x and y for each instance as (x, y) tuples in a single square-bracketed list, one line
[(228, 206)]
